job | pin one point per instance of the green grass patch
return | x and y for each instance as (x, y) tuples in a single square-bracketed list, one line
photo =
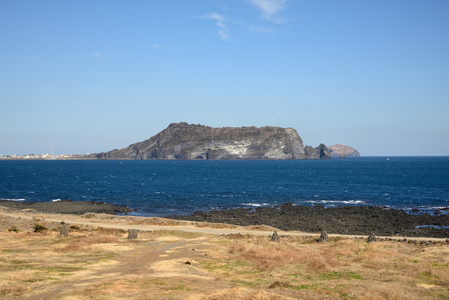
[(306, 286), (180, 287), (226, 266), (15, 251), (250, 284), (438, 265), (339, 275), (59, 269)]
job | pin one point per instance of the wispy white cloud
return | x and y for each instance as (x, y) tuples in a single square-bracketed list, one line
[(159, 47), (220, 21), (97, 55), (270, 9)]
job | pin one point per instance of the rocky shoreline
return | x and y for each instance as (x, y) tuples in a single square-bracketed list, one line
[(353, 220), (68, 207)]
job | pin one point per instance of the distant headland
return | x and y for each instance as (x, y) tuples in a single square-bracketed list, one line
[(183, 141), (198, 142)]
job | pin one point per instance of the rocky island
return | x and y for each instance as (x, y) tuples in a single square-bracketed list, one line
[(190, 142), (344, 151)]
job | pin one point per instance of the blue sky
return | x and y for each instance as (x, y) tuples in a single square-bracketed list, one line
[(91, 76)]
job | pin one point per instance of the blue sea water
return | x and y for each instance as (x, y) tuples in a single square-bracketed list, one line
[(160, 188)]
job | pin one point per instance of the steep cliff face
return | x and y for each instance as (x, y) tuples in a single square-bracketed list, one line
[(339, 149), (188, 141)]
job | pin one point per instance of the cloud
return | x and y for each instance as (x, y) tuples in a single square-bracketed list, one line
[(159, 47), (97, 55), (270, 8), (220, 21)]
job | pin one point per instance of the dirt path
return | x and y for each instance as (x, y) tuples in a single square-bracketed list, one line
[(136, 264), (190, 260), (122, 222)]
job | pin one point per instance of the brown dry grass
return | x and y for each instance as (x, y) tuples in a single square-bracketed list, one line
[(343, 268), (244, 294), (86, 243), (103, 264)]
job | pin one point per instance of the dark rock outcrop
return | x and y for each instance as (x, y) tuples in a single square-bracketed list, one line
[(341, 220), (189, 141), (320, 152)]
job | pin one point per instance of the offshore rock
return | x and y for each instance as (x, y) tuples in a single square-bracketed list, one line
[(189, 142), (320, 152), (339, 149)]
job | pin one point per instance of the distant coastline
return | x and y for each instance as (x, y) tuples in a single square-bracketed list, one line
[(44, 157)]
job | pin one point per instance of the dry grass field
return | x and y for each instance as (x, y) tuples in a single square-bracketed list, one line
[(98, 263)]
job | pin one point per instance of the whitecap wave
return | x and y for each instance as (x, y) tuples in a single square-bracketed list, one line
[(357, 202), (436, 207), (12, 199), (255, 204), (56, 200)]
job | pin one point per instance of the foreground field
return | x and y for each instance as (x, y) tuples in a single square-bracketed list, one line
[(102, 263)]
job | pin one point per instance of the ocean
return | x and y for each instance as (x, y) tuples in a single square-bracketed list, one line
[(162, 188)]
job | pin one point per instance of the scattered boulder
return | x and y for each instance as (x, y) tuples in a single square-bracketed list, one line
[(275, 237), (371, 238), (341, 156), (132, 234), (64, 230), (324, 238)]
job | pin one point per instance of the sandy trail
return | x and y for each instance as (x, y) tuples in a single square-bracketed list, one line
[(122, 222), (139, 263)]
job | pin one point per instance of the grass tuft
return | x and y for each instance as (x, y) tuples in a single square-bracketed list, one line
[(39, 228)]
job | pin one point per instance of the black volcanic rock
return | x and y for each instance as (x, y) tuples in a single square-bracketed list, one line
[(189, 141), (339, 220)]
